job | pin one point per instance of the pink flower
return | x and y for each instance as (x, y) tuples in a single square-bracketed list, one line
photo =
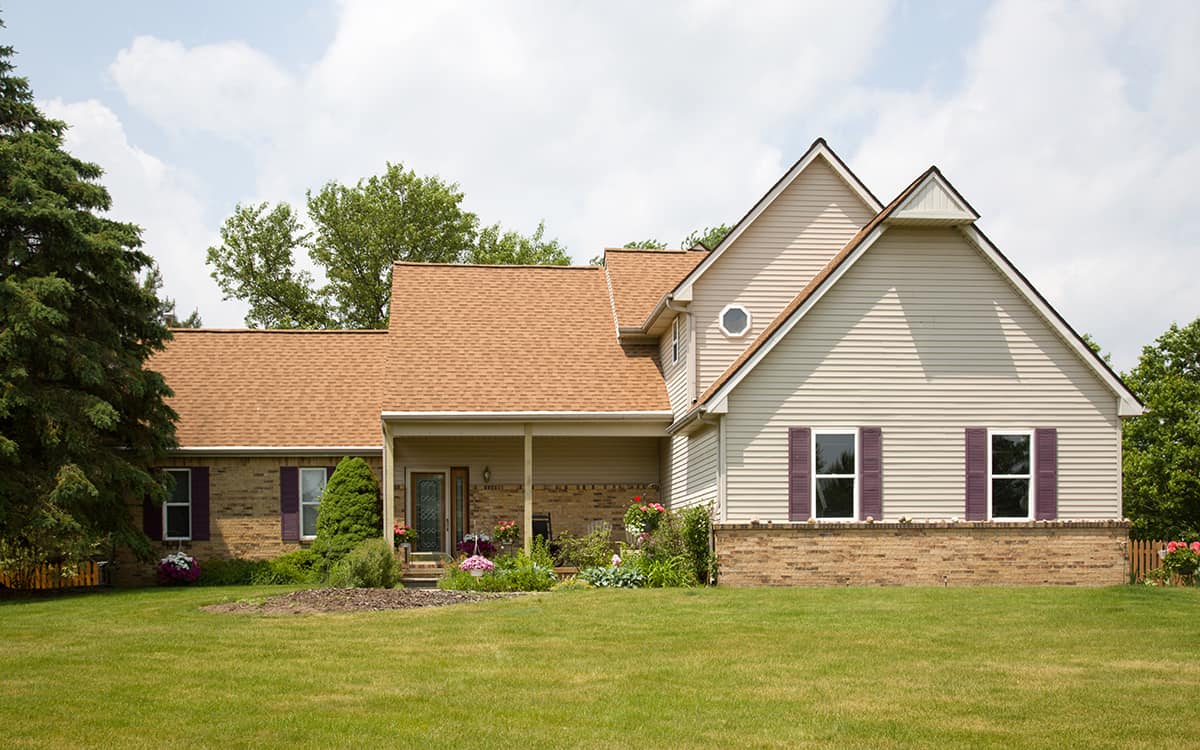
[(643, 509), (616, 559), (1196, 547), (1172, 546)]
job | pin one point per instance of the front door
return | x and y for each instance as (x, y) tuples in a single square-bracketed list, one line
[(428, 502)]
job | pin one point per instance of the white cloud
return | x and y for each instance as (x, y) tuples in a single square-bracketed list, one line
[(624, 121), (157, 197), (1071, 136)]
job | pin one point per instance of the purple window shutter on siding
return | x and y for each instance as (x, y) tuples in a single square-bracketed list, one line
[(289, 503), (329, 472), (152, 514), (1045, 446), (799, 474), (200, 503), (977, 473), (870, 457)]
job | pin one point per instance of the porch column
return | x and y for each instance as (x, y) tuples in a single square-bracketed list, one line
[(388, 490), (528, 488)]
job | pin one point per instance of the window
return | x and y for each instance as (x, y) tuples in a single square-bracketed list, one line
[(675, 340), (312, 484), (177, 510), (735, 320), (1010, 465), (835, 475)]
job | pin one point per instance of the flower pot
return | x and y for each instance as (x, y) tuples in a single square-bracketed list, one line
[(477, 573), (402, 553)]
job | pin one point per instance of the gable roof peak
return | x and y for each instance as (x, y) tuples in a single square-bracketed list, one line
[(932, 201)]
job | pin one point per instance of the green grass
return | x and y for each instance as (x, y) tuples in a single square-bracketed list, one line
[(878, 668)]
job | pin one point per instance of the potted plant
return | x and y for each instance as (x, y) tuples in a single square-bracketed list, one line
[(404, 536), (1182, 560), (477, 565), (506, 533), (477, 544), (178, 569)]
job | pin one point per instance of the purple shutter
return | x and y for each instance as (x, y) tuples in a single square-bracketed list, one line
[(870, 457), (329, 472), (200, 503), (289, 503), (977, 473), (1045, 446), (799, 474), (152, 514)]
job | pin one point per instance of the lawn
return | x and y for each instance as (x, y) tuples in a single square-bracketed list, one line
[(879, 668)]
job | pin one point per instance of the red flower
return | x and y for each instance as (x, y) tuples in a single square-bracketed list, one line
[(637, 498)]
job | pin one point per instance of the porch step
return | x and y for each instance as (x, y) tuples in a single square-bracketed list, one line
[(419, 581)]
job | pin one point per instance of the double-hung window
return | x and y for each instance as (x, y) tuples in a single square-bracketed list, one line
[(675, 340), (177, 510), (1010, 474), (312, 485), (835, 475)]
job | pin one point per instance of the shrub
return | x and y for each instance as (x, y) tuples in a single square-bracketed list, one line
[(372, 564), (697, 531), (519, 572), (350, 512), (574, 583), (666, 572), (613, 576), (234, 572), (1182, 560), (591, 551)]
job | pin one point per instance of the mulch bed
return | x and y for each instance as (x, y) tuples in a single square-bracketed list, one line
[(311, 601)]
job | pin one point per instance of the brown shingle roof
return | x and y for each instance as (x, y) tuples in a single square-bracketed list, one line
[(275, 388), (512, 338), (640, 278), (809, 289)]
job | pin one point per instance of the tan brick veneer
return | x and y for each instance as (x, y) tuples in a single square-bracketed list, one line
[(244, 508), (1066, 553)]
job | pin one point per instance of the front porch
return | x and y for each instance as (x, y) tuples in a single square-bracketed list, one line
[(454, 476)]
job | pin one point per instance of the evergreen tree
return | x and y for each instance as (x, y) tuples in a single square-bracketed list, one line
[(349, 512), (82, 421)]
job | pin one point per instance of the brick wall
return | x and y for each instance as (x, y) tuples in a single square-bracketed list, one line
[(1068, 553), (244, 512), (572, 507)]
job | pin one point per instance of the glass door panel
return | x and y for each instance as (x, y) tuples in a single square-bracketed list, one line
[(428, 492)]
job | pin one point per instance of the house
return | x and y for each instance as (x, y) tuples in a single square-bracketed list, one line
[(863, 393)]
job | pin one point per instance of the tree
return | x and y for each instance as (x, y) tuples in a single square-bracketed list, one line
[(349, 511), (1095, 347), (709, 237), (650, 244), (1162, 447), (496, 246), (82, 420), (152, 284), (357, 233)]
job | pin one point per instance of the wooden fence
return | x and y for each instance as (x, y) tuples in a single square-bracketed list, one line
[(1143, 557), (55, 577)]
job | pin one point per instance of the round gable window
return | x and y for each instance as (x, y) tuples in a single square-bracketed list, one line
[(735, 320)]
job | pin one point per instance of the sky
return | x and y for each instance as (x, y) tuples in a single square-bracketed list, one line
[(1070, 127)]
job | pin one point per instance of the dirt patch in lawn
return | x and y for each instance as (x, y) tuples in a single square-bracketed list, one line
[(312, 601)]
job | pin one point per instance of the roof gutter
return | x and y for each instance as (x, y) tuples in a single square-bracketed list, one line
[(526, 416), (697, 414)]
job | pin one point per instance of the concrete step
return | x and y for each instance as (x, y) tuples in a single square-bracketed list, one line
[(419, 582)]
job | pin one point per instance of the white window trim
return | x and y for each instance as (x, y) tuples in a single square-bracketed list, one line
[(721, 320), (1032, 474), (188, 505), (300, 479), (675, 339), (856, 476)]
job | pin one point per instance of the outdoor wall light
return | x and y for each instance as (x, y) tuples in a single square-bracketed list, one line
[(487, 475)]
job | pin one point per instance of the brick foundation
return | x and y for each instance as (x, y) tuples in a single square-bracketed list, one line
[(1060, 553)]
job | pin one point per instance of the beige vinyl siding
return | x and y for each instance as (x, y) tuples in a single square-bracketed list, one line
[(690, 468), (676, 373), (923, 337), (793, 239), (557, 460)]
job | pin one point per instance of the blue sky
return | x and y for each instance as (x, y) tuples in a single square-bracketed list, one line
[(1070, 126)]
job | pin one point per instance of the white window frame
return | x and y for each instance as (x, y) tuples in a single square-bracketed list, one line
[(1032, 476), (187, 473), (317, 504), (856, 476), (735, 306), (675, 339)]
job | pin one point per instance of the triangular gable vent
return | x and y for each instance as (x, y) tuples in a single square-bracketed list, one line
[(933, 203)]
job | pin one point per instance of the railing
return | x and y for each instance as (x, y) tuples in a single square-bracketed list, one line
[(55, 577)]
